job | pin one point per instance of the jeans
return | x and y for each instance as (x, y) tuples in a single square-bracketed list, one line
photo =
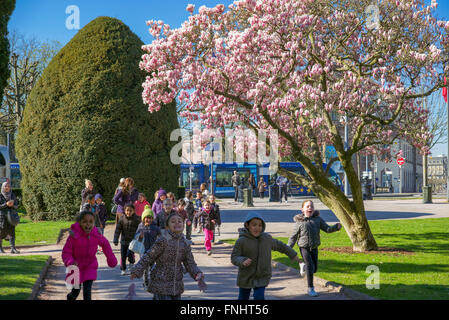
[(126, 253), (258, 293), (283, 192), (310, 257), (236, 193), (189, 231), (87, 291)]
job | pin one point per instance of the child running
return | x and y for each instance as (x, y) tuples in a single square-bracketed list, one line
[(80, 250), (148, 232), (126, 229), (170, 252), (209, 218), (307, 233), (252, 254)]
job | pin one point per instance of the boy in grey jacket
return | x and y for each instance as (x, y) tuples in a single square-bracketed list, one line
[(252, 254), (307, 229)]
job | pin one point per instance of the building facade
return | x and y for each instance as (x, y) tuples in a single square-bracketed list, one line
[(437, 173)]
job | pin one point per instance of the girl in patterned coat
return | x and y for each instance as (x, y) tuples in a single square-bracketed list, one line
[(170, 251)]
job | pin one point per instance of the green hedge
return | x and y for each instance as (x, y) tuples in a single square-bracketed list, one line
[(85, 119)]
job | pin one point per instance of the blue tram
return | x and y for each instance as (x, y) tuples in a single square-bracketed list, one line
[(193, 175)]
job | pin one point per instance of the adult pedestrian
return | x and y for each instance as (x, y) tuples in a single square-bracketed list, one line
[(89, 189), (8, 203), (128, 194), (262, 186), (283, 187), (251, 183), (235, 183)]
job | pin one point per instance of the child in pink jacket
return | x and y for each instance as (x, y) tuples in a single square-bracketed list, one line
[(79, 253)]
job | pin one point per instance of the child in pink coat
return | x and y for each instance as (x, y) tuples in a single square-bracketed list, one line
[(79, 253), (140, 204)]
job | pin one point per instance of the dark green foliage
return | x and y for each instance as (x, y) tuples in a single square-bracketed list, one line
[(180, 192), (6, 9), (85, 119)]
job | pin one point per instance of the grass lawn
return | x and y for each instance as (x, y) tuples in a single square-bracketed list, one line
[(420, 274), (18, 275), (36, 233)]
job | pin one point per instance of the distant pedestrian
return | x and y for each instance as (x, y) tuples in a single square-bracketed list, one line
[(204, 191), (261, 187), (8, 203), (251, 183), (125, 230), (190, 210), (215, 208), (89, 189), (235, 183), (140, 204), (252, 254), (167, 209), (170, 252), (171, 196), (128, 194), (101, 211), (197, 224), (307, 234), (283, 187), (80, 250), (157, 204)]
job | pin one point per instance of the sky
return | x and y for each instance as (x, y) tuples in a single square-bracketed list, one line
[(49, 20)]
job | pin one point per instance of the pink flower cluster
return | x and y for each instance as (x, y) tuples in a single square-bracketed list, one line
[(299, 67)]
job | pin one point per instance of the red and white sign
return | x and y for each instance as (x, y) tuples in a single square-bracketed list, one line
[(400, 161)]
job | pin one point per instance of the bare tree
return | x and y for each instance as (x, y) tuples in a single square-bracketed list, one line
[(29, 57)]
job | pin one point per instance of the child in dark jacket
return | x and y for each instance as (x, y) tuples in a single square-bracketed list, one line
[(307, 233), (102, 212), (216, 209), (126, 228), (148, 232), (197, 224), (190, 210), (209, 219)]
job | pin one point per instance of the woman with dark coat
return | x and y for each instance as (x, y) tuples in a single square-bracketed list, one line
[(8, 201)]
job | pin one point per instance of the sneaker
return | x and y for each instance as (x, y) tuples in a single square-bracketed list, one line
[(209, 252), (14, 251), (123, 273), (312, 293), (302, 269)]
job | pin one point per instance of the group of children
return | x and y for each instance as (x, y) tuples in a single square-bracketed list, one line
[(161, 229)]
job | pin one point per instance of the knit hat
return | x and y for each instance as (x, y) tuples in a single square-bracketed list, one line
[(98, 196), (161, 192), (147, 212)]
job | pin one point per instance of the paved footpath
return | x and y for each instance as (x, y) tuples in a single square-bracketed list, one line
[(220, 273)]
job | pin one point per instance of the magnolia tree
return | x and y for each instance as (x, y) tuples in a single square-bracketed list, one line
[(305, 68)]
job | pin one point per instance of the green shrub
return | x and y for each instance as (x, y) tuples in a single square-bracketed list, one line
[(85, 119)]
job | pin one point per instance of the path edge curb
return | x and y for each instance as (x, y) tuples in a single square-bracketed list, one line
[(37, 285), (330, 285)]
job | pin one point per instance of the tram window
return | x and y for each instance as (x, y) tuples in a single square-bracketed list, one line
[(224, 176), (186, 179), (2, 160)]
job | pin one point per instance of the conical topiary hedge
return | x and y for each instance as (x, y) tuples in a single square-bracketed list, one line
[(85, 119)]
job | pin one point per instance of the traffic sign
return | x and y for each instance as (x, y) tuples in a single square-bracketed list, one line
[(400, 161)]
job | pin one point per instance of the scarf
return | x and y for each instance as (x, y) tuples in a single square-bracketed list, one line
[(7, 195)]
